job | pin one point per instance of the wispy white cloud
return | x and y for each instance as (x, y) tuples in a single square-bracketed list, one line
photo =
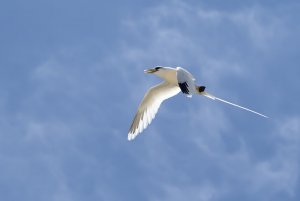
[(72, 104), (178, 45), (203, 192), (193, 36)]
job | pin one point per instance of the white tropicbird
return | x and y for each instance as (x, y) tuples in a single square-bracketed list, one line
[(175, 80)]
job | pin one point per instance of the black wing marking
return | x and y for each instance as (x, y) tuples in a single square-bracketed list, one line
[(184, 87)]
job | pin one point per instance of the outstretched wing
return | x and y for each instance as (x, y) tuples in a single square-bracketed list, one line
[(149, 107), (233, 104), (186, 82)]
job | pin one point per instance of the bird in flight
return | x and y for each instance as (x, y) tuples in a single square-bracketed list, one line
[(175, 80)]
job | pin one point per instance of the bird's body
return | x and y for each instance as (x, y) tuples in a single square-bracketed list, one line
[(175, 80)]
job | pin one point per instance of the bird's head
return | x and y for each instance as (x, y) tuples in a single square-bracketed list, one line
[(155, 70), (162, 72)]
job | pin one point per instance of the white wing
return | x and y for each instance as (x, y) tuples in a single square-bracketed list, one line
[(233, 104), (186, 82), (149, 107)]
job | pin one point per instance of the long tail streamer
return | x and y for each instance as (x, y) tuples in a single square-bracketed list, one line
[(224, 101)]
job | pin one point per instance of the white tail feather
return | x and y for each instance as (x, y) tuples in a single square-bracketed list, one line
[(204, 93)]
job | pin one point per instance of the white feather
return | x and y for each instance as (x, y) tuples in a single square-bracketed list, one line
[(149, 107), (183, 76)]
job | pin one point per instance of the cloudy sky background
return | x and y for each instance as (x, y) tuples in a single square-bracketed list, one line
[(72, 77)]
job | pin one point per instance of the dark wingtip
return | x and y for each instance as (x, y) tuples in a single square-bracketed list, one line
[(184, 87)]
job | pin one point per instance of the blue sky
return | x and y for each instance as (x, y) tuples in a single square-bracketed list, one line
[(72, 77)]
